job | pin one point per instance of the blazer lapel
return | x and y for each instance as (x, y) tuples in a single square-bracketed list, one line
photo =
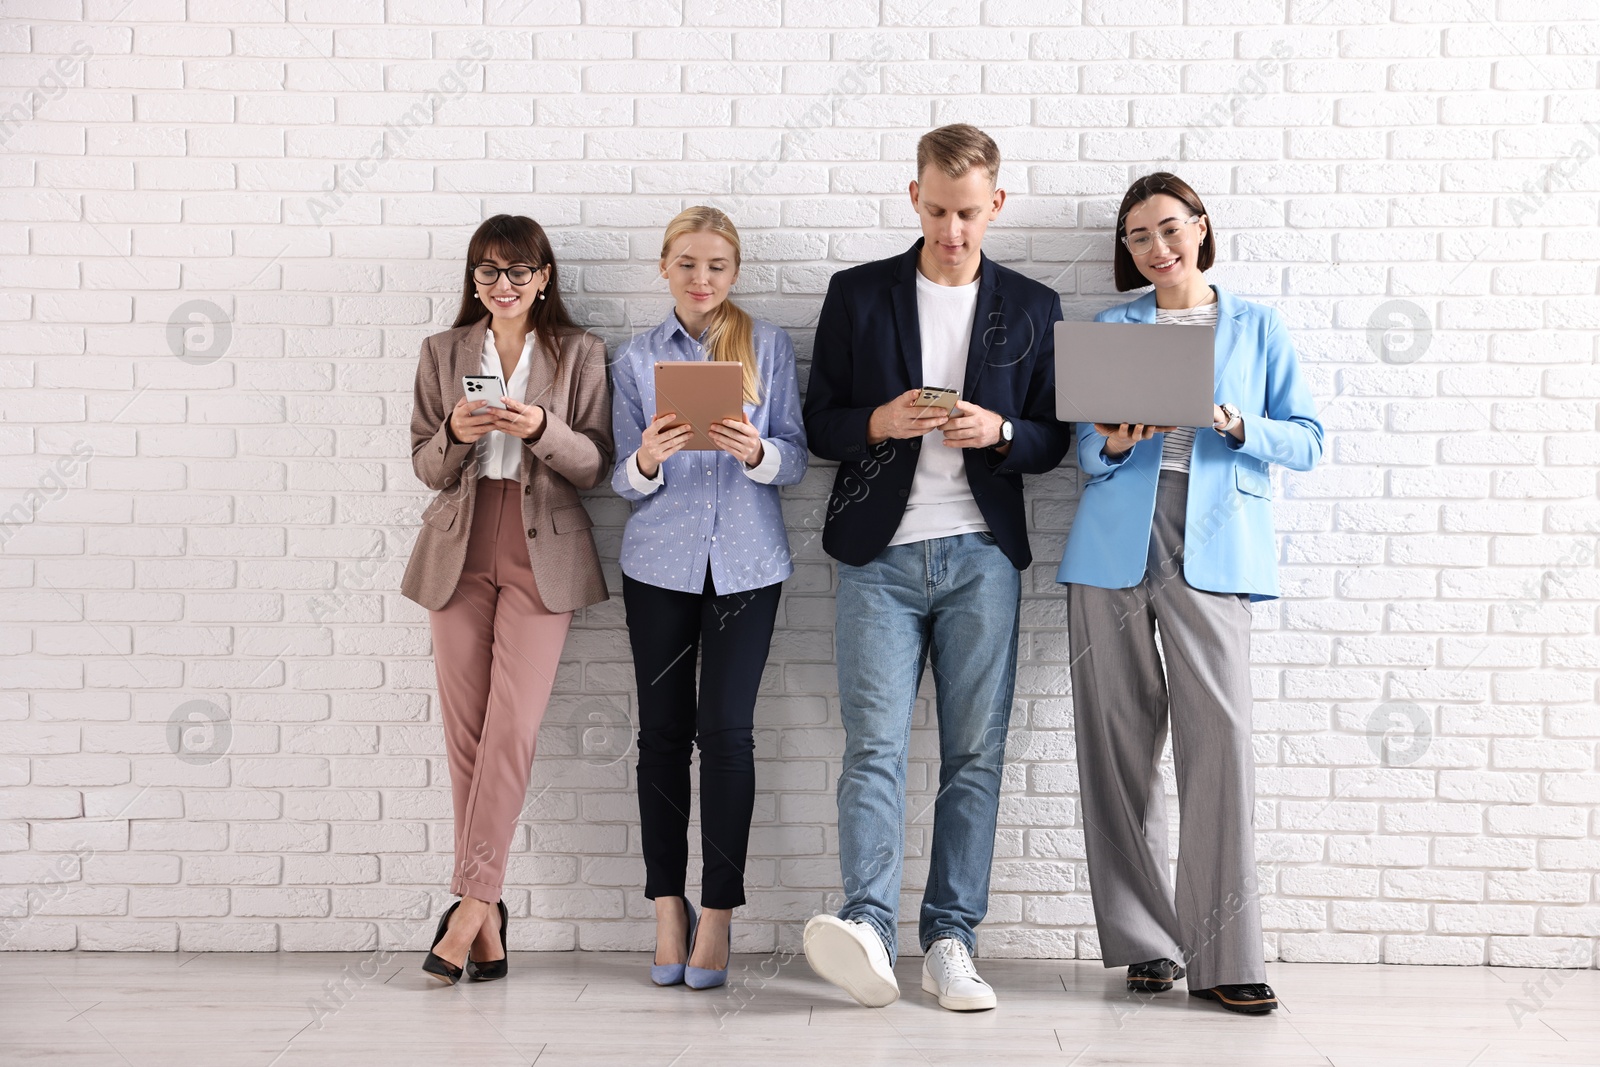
[(907, 325), (1228, 309), (541, 378), (1143, 309), (466, 359), (989, 328)]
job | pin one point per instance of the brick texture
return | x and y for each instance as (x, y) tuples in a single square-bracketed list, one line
[(224, 231)]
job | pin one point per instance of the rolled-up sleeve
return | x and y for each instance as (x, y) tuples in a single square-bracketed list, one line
[(628, 425), (638, 481)]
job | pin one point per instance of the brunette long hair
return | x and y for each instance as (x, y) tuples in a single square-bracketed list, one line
[(517, 239)]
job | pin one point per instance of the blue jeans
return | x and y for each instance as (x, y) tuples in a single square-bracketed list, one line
[(953, 600)]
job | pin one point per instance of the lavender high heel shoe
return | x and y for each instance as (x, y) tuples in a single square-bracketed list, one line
[(672, 973), (706, 977)]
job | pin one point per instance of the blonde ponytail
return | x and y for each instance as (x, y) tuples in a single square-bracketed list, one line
[(730, 336)]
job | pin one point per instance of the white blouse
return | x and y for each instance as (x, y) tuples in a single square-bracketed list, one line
[(499, 454)]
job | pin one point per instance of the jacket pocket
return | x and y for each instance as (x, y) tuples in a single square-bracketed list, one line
[(441, 516), (1254, 482), (571, 519)]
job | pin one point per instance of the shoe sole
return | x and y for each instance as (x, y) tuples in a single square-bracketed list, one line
[(1147, 985), (983, 1003), (1154, 985), (839, 958), (1242, 1007)]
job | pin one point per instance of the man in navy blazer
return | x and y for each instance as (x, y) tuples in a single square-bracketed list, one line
[(867, 355), (927, 522)]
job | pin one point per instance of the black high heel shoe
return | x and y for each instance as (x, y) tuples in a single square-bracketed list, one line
[(488, 972), (438, 966)]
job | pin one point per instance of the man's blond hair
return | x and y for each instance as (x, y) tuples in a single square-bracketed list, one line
[(956, 149)]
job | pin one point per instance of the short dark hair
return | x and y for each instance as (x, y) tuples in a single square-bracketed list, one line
[(1124, 271)]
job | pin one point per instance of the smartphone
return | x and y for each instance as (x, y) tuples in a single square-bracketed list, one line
[(938, 397), (485, 387)]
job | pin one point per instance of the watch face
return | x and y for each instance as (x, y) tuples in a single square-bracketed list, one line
[(1005, 430)]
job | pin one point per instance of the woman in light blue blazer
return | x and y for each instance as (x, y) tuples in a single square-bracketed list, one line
[(1174, 534)]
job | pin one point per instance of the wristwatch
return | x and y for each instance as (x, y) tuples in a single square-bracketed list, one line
[(1233, 419), (1006, 432)]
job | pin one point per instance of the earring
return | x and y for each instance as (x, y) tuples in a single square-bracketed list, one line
[(541, 294), (476, 297)]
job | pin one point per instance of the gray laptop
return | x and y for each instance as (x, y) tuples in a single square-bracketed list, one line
[(1134, 372)]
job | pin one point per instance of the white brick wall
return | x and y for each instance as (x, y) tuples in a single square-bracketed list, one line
[(1410, 178)]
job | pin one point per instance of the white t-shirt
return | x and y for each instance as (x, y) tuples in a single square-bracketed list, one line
[(1179, 443), (499, 454), (940, 503)]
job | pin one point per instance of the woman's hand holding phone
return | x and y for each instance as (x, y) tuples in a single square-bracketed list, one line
[(518, 419), (661, 440), (1120, 438), (469, 420)]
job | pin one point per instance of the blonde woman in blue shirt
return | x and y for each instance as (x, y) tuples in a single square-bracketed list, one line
[(704, 556)]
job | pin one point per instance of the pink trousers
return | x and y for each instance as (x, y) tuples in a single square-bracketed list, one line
[(495, 650)]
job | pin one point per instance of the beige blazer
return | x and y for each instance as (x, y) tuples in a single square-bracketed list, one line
[(573, 452)]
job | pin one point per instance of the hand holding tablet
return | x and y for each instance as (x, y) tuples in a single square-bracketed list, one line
[(698, 394), (699, 408)]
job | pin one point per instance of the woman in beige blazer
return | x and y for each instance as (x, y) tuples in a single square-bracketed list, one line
[(505, 553)]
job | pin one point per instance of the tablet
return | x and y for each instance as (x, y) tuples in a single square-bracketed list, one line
[(1134, 372), (700, 393)]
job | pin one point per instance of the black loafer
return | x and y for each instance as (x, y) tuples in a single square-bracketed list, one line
[(1153, 976), (438, 966), (488, 972), (1252, 998)]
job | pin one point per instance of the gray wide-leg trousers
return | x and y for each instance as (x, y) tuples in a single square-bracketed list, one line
[(1122, 687)]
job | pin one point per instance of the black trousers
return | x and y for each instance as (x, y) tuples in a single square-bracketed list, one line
[(732, 634)]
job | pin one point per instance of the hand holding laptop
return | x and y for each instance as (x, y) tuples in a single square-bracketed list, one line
[(1121, 437)]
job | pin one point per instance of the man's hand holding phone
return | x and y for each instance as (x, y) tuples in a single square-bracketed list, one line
[(907, 415), (973, 427), (1120, 438)]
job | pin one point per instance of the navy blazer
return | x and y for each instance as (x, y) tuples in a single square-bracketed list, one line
[(869, 350)]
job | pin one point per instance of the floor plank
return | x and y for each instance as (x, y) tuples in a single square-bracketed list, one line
[(581, 1009)]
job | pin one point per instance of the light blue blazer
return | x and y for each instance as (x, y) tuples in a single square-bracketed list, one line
[(1228, 544)]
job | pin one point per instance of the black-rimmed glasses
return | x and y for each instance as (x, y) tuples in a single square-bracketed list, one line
[(489, 274)]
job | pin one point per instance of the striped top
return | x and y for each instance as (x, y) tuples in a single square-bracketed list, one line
[(1179, 444)]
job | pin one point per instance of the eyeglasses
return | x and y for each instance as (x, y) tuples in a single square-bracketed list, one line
[(1172, 233), (489, 274)]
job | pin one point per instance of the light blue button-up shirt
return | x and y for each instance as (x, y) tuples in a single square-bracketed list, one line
[(707, 506)]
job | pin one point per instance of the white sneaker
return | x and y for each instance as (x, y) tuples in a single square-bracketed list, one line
[(850, 954), (948, 973)]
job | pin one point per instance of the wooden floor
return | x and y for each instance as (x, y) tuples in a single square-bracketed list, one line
[(352, 1009)]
